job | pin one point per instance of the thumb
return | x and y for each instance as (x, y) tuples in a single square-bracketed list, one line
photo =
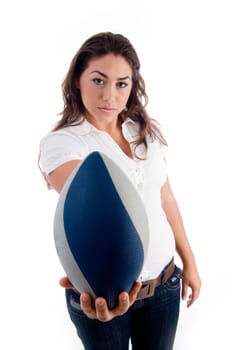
[(65, 283), (184, 289)]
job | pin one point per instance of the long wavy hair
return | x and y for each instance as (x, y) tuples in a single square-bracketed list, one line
[(98, 46)]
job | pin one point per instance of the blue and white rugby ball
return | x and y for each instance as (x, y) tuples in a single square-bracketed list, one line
[(101, 229)]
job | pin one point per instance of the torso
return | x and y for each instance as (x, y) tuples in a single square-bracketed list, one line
[(146, 175)]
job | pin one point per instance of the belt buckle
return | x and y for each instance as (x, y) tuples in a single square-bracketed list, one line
[(147, 289)]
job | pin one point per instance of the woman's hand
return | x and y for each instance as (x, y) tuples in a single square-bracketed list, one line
[(99, 310), (191, 279)]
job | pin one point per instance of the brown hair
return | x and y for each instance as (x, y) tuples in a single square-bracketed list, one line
[(96, 46)]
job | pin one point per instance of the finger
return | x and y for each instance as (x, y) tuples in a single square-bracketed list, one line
[(87, 305), (192, 297), (102, 311), (65, 283), (134, 292), (124, 303), (122, 307)]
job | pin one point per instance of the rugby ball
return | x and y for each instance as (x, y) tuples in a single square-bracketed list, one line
[(101, 229)]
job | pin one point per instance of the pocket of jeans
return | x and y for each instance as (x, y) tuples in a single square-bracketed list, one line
[(73, 301), (173, 283)]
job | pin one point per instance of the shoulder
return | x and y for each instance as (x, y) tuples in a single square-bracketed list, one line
[(61, 146), (157, 142), (65, 137), (54, 137)]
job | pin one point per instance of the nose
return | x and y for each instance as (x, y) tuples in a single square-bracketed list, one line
[(108, 93)]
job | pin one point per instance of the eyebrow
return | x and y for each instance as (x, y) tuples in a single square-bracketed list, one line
[(105, 76)]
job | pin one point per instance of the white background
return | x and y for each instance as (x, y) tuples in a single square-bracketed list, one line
[(186, 55)]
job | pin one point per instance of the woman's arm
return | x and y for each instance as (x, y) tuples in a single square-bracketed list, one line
[(191, 276), (58, 177), (99, 310)]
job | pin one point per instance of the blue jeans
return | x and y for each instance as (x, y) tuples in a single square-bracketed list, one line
[(150, 323)]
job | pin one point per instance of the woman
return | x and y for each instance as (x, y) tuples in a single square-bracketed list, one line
[(104, 110)]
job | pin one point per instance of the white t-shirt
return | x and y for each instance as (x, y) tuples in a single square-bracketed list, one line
[(148, 176)]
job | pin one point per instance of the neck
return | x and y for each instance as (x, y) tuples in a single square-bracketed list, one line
[(109, 126)]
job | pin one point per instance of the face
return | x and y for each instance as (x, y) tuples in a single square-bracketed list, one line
[(105, 87)]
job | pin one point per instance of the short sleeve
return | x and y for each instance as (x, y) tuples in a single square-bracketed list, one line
[(163, 149), (58, 148)]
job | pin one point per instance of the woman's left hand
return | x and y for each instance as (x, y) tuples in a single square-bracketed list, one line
[(191, 279)]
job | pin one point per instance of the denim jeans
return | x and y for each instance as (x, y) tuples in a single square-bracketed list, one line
[(150, 323)]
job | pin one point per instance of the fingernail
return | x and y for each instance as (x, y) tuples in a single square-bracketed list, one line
[(84, 298), (124, 297)]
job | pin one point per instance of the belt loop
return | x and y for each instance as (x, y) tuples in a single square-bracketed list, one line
[(163, 273), (162, 276)]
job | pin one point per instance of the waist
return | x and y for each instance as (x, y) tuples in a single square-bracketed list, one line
[(148, 287), (161, 248)]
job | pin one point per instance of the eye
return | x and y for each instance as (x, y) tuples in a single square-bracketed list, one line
[(122, 85), (98, 81)]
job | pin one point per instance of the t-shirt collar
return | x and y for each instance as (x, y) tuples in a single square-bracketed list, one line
[(129, 128)]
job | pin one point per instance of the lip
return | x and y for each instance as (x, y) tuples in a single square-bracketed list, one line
[(107, 109)]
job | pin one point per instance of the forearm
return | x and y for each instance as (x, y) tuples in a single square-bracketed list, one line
[(175, 220), (182, 244), (191, 276)]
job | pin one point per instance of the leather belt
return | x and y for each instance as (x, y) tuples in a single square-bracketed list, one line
[(148, 287)]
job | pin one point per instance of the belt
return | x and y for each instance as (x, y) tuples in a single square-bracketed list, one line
[(148, 287)]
